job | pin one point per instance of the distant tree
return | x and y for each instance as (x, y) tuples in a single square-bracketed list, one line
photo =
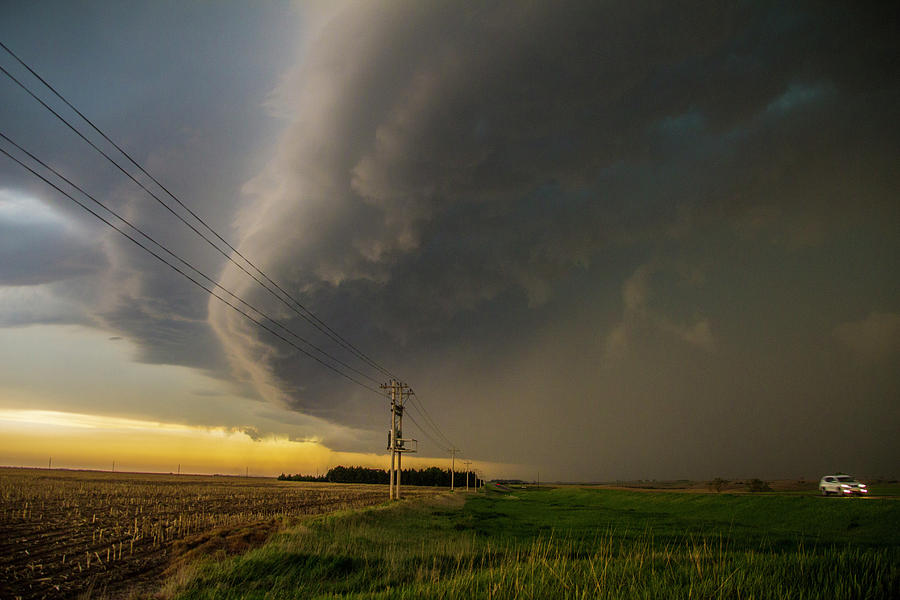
[(432, 476), (299, 477), (718, 484), (758, 485)]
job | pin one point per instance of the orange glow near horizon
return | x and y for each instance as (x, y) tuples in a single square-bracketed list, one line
[(73, 440), (31, 438)]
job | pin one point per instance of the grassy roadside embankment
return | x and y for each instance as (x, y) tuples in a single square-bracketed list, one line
[(574, 543)]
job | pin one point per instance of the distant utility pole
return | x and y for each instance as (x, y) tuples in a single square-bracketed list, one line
[(453, 452), (467, 463), (400, 392)]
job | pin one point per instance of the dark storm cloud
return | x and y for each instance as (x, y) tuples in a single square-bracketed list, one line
[(164, 336), (478, 190), (181, 88), (85, 279), (165, 314), (457, 145), (50, 264), (37, 255), (617, 229), (39, 246)]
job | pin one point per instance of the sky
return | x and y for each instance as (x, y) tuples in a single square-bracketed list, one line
[(600, 240)]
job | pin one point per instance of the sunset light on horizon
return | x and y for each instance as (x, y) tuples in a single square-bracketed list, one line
[(40, 438)]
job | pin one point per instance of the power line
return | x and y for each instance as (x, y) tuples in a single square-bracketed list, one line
[(421, 408), (159, 200), (425, 431), (209, 290), (184, 262), (292, 303), (439, 441), (303, 312)]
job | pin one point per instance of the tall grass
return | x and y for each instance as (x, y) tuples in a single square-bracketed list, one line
[(421, 552)]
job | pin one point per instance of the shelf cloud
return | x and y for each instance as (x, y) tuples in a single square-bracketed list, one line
[(599, 238)]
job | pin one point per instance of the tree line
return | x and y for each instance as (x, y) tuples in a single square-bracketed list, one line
[(431, 476)]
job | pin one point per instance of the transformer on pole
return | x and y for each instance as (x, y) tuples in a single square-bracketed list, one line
[(399, 393)]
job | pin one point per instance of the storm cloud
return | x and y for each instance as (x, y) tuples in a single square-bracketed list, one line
[(599, 239), (40, 246), (473, 190)]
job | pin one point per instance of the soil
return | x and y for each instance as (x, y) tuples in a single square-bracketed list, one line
[(64, 533)]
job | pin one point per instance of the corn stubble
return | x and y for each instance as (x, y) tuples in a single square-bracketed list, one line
[(67, 533)]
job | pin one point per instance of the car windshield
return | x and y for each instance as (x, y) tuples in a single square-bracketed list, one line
[(846, 479)]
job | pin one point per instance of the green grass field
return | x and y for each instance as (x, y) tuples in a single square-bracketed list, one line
[(575, 543)]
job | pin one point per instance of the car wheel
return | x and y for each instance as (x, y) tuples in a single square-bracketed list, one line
[(824, 491)]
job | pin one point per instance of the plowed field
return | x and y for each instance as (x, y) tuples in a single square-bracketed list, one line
[(66, 532)]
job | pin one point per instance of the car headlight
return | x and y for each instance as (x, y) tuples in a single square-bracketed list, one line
[(844, 485)]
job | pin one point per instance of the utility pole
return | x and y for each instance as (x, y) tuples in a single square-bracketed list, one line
[(467, 463), (453, 452), (399, 393)]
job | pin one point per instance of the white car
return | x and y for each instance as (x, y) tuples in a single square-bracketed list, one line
[(842, 485)]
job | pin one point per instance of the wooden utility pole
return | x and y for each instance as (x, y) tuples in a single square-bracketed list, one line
[(399, 439), (399, 392), (453, 452), (467, 462), (392, 444)]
